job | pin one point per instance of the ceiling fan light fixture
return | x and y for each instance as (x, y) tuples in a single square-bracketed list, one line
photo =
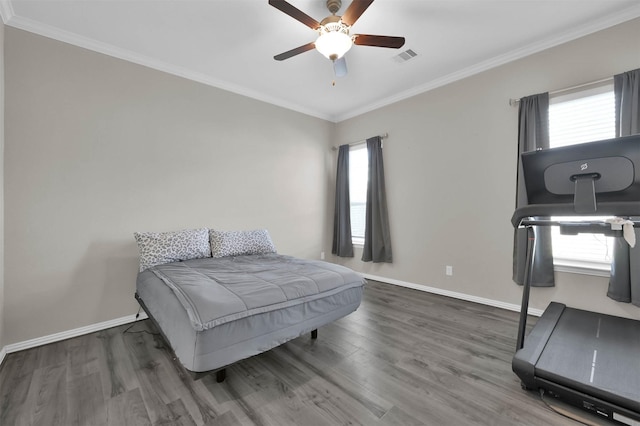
[(334, 39), (334, 43)]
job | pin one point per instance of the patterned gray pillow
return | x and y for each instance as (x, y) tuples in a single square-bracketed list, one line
[(235, 243), (157, 248)]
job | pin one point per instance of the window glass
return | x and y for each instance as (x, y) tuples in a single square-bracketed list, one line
[(358, 176), (579, 117)]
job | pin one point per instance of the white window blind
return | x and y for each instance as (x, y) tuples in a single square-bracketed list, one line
[(579, 117), (358, 176)]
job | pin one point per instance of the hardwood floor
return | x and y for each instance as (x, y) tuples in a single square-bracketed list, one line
[(404, 358)]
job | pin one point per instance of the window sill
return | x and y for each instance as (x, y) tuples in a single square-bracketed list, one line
[(584, 268)]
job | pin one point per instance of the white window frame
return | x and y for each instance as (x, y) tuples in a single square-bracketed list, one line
[(587, 267)]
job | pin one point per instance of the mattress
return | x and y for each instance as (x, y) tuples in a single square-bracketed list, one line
[(216, 311)]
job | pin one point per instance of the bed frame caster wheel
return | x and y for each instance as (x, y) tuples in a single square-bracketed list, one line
[(221, 375), (524, 387)]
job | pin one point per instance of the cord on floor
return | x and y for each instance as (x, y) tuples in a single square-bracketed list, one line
[(567, 413), (134, 323)]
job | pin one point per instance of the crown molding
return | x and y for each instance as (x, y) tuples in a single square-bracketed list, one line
[(68, 37), (10, 19), (6, 10), (605, 22)]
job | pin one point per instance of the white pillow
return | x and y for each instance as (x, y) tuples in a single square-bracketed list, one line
[(157, 248), (235, 243)]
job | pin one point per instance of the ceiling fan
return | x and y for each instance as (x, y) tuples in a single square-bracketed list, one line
[(334, 39)]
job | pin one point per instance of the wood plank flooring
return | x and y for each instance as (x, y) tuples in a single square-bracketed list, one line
[(404, 358)]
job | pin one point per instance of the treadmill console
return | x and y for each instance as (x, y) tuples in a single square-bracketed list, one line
[(585, 174)]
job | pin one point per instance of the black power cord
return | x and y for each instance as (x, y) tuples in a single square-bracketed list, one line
[(126, 330), (566, 413)]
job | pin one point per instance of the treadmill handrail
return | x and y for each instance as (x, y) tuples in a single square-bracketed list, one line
[(594, 226), (622, 208), (574, 227)]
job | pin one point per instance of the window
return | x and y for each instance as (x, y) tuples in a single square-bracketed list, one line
[(578, 117), (358, 176)]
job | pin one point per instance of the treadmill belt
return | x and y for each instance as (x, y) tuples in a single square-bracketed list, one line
[(596, 354)]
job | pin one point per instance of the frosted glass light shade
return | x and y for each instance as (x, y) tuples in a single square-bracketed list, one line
[(334, 44)]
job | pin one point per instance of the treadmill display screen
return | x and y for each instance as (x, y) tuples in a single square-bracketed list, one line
[(584, 174)]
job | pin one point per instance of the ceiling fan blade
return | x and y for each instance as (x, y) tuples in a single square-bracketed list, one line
[(379, 41), (355, 10), (295, 13), (294, 52), (340, 67)]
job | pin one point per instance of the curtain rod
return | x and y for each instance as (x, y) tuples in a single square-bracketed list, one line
[(514, 102), (382, 136)]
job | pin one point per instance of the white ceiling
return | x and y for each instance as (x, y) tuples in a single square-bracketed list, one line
[(230, 44)]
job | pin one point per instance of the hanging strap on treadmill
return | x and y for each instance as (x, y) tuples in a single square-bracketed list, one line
[(626, 225)]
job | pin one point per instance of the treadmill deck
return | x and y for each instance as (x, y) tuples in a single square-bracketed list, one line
[(590, 359), (596, 354)]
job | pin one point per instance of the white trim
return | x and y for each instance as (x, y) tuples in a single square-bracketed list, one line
[(57, 337), (44, 30), (581, 91), (584, 268), (584, 30), (6, 12), (455, 295), (9, 18)]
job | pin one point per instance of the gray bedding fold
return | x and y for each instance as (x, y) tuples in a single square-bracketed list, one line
[(220, 290)]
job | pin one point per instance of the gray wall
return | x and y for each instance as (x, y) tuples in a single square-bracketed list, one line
[(2, 300), (450, 172), (97, 148)]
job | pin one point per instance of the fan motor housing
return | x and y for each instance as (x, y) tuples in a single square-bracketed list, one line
[(334, 23), (334, 5)]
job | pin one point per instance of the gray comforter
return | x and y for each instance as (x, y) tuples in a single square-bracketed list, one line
[(214, 291)]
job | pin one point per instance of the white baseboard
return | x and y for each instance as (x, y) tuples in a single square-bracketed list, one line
[(28, 344), (52, 338), (3, 353), (455, 295)]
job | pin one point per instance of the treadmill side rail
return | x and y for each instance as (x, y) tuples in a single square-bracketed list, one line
[(525, 359)]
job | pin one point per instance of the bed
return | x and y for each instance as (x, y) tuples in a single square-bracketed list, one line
[(219, 308)]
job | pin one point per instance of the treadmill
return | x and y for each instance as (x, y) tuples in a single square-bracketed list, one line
[(586, 359)]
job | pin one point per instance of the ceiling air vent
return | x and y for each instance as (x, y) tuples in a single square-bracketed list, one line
[(405, 56)]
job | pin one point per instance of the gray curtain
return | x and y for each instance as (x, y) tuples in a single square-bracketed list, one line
[(533, 133), (624, 285), (377, 238), (342, 243)]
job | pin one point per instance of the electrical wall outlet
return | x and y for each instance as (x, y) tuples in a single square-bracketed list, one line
[(321, 255), (448, 270)]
